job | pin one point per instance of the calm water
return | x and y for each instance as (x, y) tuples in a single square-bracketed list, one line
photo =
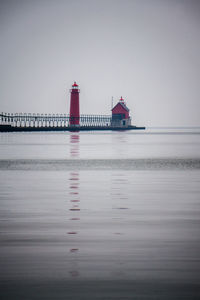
[(100, 215)]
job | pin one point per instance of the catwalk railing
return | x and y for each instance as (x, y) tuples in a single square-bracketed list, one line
[(52, 120)]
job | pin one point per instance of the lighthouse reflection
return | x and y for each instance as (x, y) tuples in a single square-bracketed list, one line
[(74, 145), (74, 209)]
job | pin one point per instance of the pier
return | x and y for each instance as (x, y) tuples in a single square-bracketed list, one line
[(56, 122), (74, 121), (52, 122)]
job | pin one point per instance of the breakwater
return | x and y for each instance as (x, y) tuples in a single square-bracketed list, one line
[(9, 128)]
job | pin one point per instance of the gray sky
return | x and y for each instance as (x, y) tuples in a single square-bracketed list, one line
[(144, 50)]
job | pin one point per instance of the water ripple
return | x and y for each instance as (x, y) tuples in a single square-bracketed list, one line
[(101, 164)]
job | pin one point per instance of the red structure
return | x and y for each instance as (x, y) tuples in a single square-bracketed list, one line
[(120, 114), (74, 106)]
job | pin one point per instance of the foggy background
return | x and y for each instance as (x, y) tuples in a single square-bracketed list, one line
[(144, 50)]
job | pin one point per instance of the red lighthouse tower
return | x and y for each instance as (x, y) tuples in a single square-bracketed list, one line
[(74, 106)]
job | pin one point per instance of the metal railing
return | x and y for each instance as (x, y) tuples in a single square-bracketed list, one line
[(52, 120)]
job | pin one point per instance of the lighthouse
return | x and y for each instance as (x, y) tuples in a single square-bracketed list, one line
[(74, 105), (120, 115)]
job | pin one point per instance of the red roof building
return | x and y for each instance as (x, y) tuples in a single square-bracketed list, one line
[(120, 115)]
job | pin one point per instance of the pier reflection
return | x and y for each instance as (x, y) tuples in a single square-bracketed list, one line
[(119, 184), (120, 207), (74, 208), (120, 144)]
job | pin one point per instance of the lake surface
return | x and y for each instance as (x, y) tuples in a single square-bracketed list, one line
[(100, 215)]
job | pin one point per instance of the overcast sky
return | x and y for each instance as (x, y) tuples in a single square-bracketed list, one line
[(144, 50)]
